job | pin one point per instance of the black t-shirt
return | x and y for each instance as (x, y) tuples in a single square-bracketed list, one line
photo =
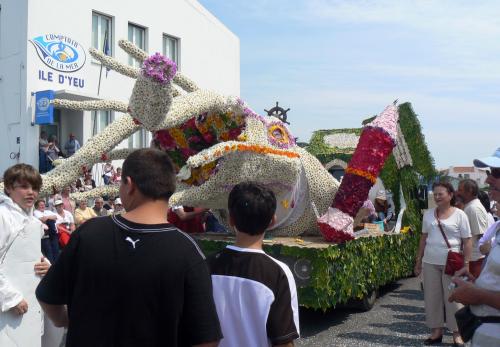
[(129, 284)]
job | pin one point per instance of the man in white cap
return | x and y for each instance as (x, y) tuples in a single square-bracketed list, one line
[(118, 207), (483, 293)]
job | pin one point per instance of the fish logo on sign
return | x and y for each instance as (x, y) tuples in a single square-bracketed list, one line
[(43, 104), (60, 52)]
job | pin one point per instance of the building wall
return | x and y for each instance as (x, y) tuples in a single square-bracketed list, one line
[(209, 54), (12, 81), (475, 174)]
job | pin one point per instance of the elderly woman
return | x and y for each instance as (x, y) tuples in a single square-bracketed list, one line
[(83, 213), (433, 252)]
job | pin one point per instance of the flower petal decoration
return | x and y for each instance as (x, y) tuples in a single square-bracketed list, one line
[(375, 144)]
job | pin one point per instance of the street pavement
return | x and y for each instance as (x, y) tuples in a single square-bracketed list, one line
[(397, 319)]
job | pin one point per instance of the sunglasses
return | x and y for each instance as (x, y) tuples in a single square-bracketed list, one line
[(494, 172)]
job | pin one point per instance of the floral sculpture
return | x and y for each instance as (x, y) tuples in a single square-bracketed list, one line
[(375, 144), (214, 142)]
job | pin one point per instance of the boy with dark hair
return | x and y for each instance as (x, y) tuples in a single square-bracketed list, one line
[(133, 279), (20, 234), (255, 294)]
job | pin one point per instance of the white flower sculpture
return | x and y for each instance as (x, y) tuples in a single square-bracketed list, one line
[(215, 142)]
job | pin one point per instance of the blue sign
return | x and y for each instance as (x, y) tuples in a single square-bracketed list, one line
[(60, 52), (44, 107)]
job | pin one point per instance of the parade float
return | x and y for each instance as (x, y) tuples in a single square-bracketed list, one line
[(217, 141)]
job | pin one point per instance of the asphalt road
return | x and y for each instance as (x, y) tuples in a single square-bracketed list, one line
[(397, 319)]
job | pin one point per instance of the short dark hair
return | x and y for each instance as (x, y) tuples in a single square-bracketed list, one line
[(37, 203), (251, 207), (22, 173), (470, 186), (485, 200), (152, 172), (446, 185)]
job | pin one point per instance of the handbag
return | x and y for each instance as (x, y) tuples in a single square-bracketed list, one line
[(468, 322), (454, 260), (64, 234)]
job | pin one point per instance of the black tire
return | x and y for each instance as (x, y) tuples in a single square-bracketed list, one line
[(367, 303)]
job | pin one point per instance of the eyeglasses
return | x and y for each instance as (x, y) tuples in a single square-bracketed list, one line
[(494, 172)]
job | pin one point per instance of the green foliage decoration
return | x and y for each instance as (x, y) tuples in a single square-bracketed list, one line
[(326, 153)]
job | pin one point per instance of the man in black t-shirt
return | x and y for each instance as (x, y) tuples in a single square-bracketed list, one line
[(133, 279), (255, 294)]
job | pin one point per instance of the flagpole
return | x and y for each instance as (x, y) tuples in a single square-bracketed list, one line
[(100, 71)]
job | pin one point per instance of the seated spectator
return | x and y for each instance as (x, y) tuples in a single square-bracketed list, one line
[(117, 177), (99, 208), (51, 200), (88, 182), (64, 216), (69, 204), (109, 171), (83, 213), (109, 203), (50, 241), (384, 210), (117, 207), (188, 219), (78, 188)]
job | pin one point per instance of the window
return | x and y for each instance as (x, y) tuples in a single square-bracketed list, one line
[(139, 139), (100, 120), (466, 175), (171, 48), (101, 28), (136, 35)]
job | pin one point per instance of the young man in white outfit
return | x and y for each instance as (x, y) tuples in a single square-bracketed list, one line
[(20, 234)]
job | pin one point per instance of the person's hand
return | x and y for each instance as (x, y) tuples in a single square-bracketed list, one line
[(465, 292), (20, 308), (418, 267), (485, 248), (42, 267), (464, 272)]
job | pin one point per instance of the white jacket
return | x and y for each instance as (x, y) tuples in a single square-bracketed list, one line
[(13, 219)]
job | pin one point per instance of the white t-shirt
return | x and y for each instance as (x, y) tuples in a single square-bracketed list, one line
[(455, 227), (478, 221), (68, 218)]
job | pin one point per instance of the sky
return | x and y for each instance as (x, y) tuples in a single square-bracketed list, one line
[(335, 63)]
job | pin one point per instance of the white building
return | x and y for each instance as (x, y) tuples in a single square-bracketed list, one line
[(463, 172), (205, 50)]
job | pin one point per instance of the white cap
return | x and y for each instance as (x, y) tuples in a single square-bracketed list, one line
[(118, 201), (58, 202), (493, 161), (381, 195)]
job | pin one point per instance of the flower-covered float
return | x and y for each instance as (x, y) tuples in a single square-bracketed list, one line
[(215, 142)]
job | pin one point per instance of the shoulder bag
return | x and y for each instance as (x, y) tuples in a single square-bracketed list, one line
[(455, 260)]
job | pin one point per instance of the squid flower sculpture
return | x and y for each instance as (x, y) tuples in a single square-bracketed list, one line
[(376, 143), (214, 141)]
